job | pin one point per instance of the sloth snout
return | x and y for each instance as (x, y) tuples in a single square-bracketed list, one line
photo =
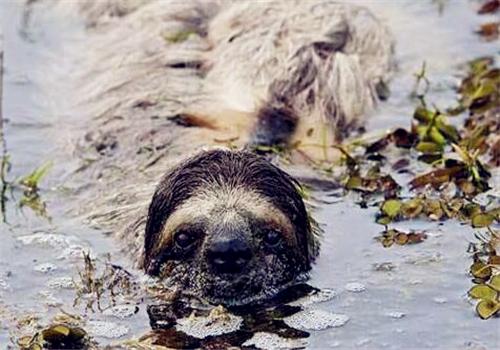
[(229, 256)]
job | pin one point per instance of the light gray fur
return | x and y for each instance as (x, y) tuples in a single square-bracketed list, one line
[(128, 56)]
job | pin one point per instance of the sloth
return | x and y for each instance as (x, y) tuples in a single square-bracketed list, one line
[(229, 225)]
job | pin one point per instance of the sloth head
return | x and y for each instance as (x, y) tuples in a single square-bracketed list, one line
[(230, 227)]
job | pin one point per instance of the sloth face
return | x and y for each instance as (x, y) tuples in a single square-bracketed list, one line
[(229, 227)]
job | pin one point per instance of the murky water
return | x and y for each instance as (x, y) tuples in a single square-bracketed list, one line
[(411, 296)]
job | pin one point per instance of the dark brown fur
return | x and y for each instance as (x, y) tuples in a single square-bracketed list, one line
[(236, 169)]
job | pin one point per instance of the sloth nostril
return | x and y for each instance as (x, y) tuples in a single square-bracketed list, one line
[(229, 256)]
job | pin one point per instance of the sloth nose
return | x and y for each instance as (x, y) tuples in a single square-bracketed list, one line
[(229, 256)]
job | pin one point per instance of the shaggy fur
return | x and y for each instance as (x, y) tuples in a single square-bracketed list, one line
[(307, 68), (214, 173)]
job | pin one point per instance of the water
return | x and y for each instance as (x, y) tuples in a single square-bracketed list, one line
[(411, 296)]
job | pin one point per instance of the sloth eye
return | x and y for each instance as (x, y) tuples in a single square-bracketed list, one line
[(183, 239), (272, 237)]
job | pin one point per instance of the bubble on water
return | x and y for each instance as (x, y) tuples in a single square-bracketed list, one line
[(218, 322), (104, 329), (64, 282), (121, 311), (264, 340), (315, 320), (355, 287), (73, 252), (50, 240), (45, 268), (396, 314), (321, 296)]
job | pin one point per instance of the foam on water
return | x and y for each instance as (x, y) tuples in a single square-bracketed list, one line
[(264, 340), (106, 329), (316, 320), (218, 322)]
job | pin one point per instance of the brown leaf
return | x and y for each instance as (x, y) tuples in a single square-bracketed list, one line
[(435, 177), (490, 6), (489, 31), (416, 237)]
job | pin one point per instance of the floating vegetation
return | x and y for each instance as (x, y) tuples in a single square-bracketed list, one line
[(28, 185), (57, 336), (100, 287), (392, 236), (489, 31), (450, 170)]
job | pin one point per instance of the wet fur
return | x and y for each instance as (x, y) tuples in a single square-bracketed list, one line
[(238, 173), (283, 72)]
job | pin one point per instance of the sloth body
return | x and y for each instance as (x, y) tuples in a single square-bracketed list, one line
[(228, 225)]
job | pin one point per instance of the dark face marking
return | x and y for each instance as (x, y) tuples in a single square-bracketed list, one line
[(224, 244)]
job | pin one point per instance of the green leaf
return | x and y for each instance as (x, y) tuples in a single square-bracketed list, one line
[(449, 131), (482, 291), (428, 147), (495, 282), (412, 208), (487, 308), (391, 207), (354, 182), (423, 114), (384, 220), (482, 220), (33, 179), (436, 136)]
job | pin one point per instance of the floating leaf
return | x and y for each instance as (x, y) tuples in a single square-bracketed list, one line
[(471, 209), (423, 114), (437, 137), (378, 145), (495, 282), (61, 329), (354, 183), (494, 260), (403, 138), (489, 31), (412, 208), (487, 308), (384, 220), (391, 207), (490, 6), (389, 237), (483, 291), (63, 336), (433, 209), (480, 270), (416, 237), (436, 177), (429, 147), (401, 238), (482, 220), (449, 131)]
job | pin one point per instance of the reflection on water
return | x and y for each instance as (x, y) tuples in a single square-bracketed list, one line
[(412, 296)]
